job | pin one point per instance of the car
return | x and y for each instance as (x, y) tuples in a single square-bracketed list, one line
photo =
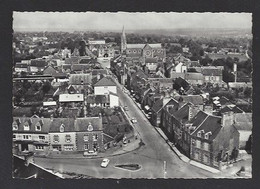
[(90, 153), (105, 162), (126, 108), (133, 120)]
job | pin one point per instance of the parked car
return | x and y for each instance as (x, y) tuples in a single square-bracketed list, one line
[(105, 162), (133, 120), (90, 153)]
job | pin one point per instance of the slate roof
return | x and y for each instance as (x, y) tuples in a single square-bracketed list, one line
[(76, 79), (194, 76), (21, 65), (80, 67), (81, 124), (85, 61), (44, 122), (194, 99), (182, 113), (211, 71), (99, 71), (159, 104), (210, 124), (198, 118), (66, 66), (67, 122), (105, 81), (72, 60), (38, 63)]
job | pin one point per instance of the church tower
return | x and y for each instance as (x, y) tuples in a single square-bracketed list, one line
[(123, 41)]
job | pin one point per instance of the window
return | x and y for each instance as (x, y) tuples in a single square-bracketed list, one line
[(95, 137), (198, 144), (86, 146), (56, 138), (37, 127), (56, 147), (15, 126), (26, 137), (42, 137), (86, 138), (206, 146), (197, 154), (26, 127), (206, 158), (14, 136), (39, 147), (68, 138), (199, 134), (134, 51), (68, 147)]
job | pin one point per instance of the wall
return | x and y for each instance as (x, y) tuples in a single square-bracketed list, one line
[(114, 101), (62, 141), (102, 90), (81, 142)]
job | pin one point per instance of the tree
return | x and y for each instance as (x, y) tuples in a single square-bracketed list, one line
[(247, 92), (248, 146), (33, 110), (227, 76), (234, 154), (46, 87)]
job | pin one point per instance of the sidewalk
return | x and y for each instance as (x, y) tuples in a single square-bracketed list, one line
[(129, 147)]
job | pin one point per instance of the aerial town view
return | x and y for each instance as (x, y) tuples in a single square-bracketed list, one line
[(132, 95)]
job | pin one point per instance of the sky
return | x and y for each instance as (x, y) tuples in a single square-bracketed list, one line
[(98, 21)]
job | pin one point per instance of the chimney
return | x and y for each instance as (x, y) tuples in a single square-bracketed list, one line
[(227, 119)]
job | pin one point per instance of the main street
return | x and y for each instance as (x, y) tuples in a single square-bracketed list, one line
[(154, 157)]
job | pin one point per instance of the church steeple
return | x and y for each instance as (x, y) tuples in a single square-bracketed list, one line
[(123, 41)]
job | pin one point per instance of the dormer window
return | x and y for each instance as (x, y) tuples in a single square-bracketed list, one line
[(15, 126), (207, 135), (199, 134), (26, 126), (90, 127), (38, 126), (62, 128)]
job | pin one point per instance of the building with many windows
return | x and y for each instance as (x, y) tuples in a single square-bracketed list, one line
[(41, 135)]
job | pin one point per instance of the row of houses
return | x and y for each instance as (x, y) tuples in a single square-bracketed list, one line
[(41, 135), (207, 136)]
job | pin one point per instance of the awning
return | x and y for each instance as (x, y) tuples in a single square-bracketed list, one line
[(23, 141)]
